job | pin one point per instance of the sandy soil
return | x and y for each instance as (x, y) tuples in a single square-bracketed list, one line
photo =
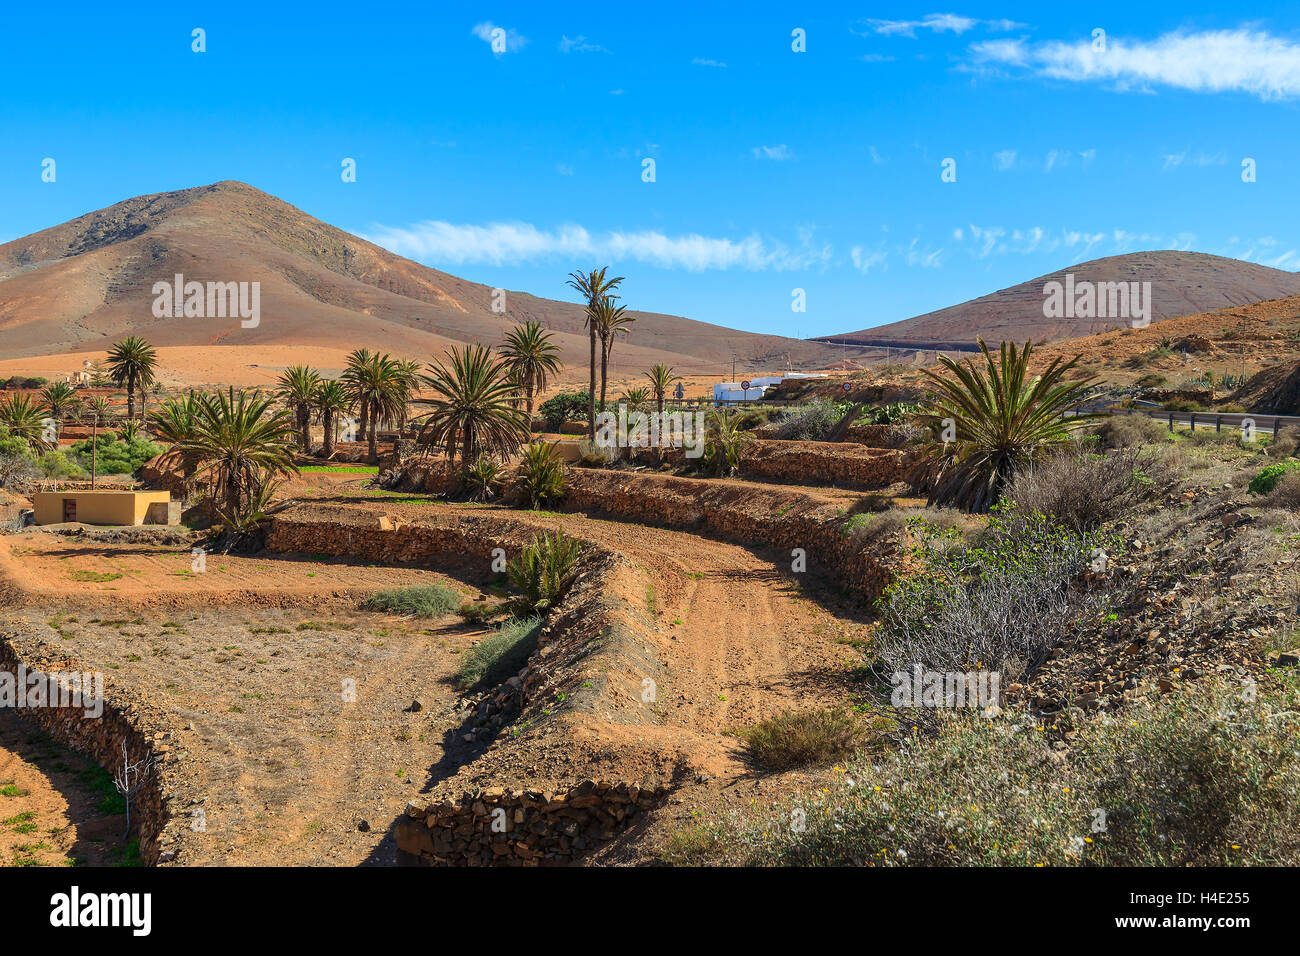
[(250, 657), (56, 807)]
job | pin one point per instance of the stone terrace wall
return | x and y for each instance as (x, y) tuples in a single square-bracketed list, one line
[(593, 652), (535, 827), (159, 822), (774, 518), (844, 464)]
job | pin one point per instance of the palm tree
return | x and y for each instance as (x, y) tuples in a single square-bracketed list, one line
[(331, 398), (532, 358), (23, 418), (99, 412), (131, 363), (661, 376), (352, 382), (408, 378), (175, 422), (610, 320), (594, 287), (381, 388), (636, 398), (471, 407), (996, 422), (297, 389), (242, 442), (60, 398)]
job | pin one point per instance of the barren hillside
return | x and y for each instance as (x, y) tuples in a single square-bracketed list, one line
[(67, 292)]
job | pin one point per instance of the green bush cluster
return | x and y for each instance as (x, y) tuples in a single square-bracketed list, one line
[(113, 455), (433, 600), (1267, 479), (499, 655)]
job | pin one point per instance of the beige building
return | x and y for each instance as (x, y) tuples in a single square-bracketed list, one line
[(106, 507)]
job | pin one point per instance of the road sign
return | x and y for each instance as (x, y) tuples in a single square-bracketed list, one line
[(745, 384)]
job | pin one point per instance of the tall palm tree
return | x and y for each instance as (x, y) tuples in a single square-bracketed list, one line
[(351, 381), (594, 286), (175, 422), (998, 420), (471, 406), (332, 399), (408, 377), (131, 363), (533, 358), (60, 398), (98, 412), (23, 418), (610, 320), (378, 384), (297, 389), (241, 442), (661, 377)]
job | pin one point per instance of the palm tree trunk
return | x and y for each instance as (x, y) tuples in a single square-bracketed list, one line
[(328, 417), (529, 403), (604, 366), (304, 421), (591, 389), (373, 437), (130, 399), (94, 451), (365, 417)]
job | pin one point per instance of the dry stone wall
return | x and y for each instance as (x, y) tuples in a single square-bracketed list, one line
[(159, 822), (774, 518)]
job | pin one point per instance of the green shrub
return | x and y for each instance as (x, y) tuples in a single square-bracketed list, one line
[(541, 474), (803, 738), (544, 570), (114, 456), (431, 600), (811, 422), (1002, 603), (482, 478), (1200, 777), (501, 654), (1269, 476), (1129, 431), (560, 408)]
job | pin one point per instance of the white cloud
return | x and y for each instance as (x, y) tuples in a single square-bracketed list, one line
[(564, 169), (864, 261), (579, 45), (487, 32), (875, 155), (1056, 157), (701, 61), (1004, 159), (774, 152), (511, 243), (938, 23), (1216, 61), (1173, 161)]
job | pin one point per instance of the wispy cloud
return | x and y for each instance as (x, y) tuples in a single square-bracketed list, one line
[(564, 169), (502, 39), (580, 45), (1004, 159), (1216, 61), (936, 23), (513, 243), (701, 61), (774, 152)]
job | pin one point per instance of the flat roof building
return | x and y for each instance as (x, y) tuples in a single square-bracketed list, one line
[(106, 507)]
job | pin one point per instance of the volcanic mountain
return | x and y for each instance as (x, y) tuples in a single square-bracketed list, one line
[(68, 292), (1182, 283)]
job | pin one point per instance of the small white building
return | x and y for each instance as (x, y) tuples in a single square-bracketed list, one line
[(758, 386)]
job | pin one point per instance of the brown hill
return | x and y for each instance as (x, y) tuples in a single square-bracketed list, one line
[(68, 292), (1182, 283)]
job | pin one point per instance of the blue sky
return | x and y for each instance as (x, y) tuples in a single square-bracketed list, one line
[(774, 169)]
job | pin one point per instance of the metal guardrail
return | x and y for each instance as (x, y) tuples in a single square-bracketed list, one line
[(1194, 420)]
